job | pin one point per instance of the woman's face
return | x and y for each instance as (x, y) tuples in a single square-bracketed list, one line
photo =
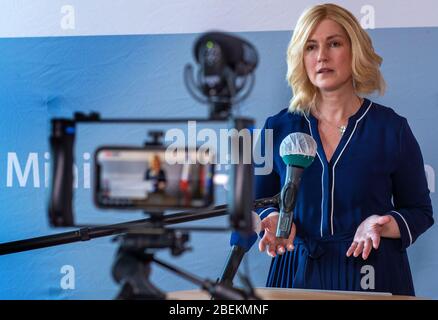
[(327, 57), (156, 164)]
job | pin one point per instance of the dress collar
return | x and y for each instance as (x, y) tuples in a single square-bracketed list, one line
[(353, 117)]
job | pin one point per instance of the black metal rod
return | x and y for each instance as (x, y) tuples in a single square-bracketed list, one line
[(191, 277), (190, 228), (86, 234), (181, 217), (89, 233)]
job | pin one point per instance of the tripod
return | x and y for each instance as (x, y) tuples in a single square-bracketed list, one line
[(138, 238), (132, 266)]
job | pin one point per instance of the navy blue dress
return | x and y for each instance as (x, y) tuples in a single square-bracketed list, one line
[(377, 168)]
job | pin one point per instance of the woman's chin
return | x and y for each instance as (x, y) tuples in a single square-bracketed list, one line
[(329, 86)]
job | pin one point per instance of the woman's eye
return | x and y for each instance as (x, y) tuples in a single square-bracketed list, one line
[(335, 44), (310, 47)]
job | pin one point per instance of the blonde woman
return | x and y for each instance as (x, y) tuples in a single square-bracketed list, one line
[(364, 199), (156, 174)]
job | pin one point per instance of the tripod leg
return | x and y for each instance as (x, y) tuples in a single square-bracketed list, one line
[(132, 270)]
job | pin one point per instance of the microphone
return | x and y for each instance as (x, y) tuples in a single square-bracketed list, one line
[(297, 151), (217, 50), (240, 244)]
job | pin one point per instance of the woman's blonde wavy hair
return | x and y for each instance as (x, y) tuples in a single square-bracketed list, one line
[(365, 61)]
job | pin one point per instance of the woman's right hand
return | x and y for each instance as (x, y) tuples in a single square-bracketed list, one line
[(270, 242)]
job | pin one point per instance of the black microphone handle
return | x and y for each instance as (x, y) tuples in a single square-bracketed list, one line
[(288, 200), (232, 265)]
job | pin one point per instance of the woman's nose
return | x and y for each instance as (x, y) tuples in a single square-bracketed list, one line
[(322, 54)]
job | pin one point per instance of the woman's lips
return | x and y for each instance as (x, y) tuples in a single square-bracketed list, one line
[(324, 70)]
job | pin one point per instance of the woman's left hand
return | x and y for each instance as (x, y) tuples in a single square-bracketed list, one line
[(368, 235)]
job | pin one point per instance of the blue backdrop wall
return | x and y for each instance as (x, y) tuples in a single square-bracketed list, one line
[(122, 72)]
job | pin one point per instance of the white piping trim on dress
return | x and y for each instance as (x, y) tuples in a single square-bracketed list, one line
[(268, 208), (322, 179), (407, 226), (334, 165)]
